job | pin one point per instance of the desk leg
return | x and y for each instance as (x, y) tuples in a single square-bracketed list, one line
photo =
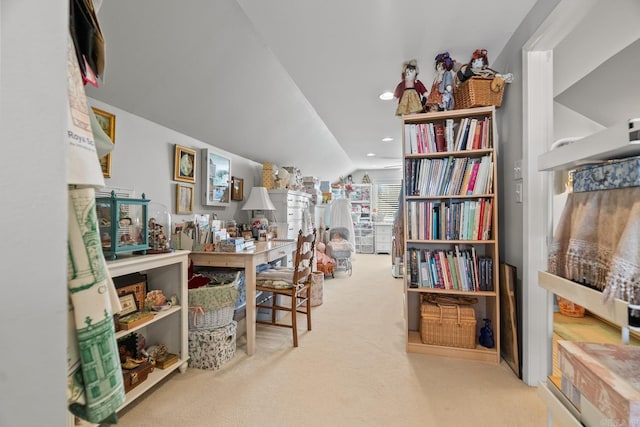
[(250, 289)]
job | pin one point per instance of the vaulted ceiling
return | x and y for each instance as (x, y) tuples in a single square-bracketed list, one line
[(289, 81)]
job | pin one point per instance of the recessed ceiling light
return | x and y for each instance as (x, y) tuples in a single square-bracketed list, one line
[(371, 154), (387, 139), (386, 96)]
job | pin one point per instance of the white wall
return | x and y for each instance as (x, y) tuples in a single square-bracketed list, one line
[(33, 190), (510, 118), (143, 160)]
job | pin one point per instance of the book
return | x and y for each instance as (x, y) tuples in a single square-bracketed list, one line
[(413, 263), (453, 270), (470, 135), (441, 144), (446, 276), (448, 134), (477, 136), (459, 132), (472, 178), (425, 275)]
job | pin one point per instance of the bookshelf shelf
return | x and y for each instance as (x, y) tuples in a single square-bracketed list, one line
[(450, 212), (452, 292)]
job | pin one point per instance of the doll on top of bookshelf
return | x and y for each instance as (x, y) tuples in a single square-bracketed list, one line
[(479, 66), (410, 92), (441, 95)]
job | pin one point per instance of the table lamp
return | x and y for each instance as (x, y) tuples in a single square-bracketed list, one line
[(259, 202)]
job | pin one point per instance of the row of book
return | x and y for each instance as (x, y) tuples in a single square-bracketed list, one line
[(449, 176), (457, 269), (469, 133), (450, 219)]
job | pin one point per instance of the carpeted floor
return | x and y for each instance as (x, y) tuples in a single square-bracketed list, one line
[(350, 370)]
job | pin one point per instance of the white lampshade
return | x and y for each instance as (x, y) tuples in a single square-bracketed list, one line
[(259, 200)]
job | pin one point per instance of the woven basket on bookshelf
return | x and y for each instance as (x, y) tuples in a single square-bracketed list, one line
[(477, 92), (211, 319), (448, 325)]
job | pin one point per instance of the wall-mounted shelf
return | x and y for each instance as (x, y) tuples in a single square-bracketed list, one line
[(620, 140)]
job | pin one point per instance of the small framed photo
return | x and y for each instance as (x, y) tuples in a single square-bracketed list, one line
[(128, 302), (237, 188), (184, 198), (108, 124), (184, 167)]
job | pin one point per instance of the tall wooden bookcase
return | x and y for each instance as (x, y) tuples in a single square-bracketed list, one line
[(451, 220)]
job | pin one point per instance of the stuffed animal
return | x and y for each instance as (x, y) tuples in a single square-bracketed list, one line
[(441, 95), (283, 181), (410, 92)]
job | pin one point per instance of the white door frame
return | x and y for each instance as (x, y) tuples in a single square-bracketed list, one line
[(537, 136)]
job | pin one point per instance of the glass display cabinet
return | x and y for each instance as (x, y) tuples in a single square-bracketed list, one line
[(123, 224)]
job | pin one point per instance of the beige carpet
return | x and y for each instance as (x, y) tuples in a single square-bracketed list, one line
[(350, 370)]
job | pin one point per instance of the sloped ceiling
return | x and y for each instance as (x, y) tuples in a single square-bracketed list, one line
[(291, 82)]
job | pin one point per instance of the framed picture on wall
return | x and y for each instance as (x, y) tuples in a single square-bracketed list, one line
[(216, 178), (184, 165), (237, 188), (108, 124), (184, 198)]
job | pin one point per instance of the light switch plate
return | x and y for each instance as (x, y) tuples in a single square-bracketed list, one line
[(517, 169), (519, 191)]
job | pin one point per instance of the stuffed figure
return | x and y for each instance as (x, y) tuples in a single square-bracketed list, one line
[(410, 92), (441, 95), (283, 180), (479, 66)]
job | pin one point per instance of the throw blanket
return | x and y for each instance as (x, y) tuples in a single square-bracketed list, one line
[(596, 242), (95, 382)]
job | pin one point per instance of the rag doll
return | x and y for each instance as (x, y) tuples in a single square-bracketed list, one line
[(410, 92), (441, 94)]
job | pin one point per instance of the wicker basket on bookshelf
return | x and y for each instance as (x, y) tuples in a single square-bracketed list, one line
[(477, 92), (450, 325)]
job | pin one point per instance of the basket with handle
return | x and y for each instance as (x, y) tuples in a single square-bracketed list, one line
[(448, 323), (477, 91)]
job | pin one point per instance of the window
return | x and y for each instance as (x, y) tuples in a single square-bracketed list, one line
[(387, 196)]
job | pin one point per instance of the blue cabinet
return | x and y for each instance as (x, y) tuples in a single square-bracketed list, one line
[(123, 224)]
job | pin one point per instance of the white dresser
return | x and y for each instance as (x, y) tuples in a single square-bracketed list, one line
[(290, 206), (383, 231)]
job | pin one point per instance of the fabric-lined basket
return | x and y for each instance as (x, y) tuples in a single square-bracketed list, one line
[(449, 325), (212, 306), (477, 92)]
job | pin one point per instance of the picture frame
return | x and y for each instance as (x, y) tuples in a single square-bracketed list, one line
[(128, 303), (509, 336), (216, 176), (184, 198), (184, 164), (237, 189), (107, 122)]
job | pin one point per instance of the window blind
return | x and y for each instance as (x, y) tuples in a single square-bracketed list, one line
[(387, 199)]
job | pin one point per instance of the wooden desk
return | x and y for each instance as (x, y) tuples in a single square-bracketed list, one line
[(263, 252)]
